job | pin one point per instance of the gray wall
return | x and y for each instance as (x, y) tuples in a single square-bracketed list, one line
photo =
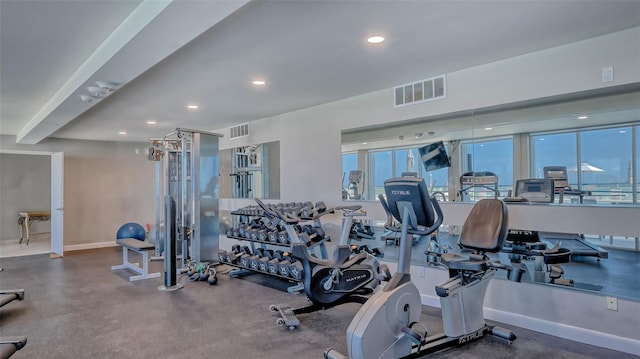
[(25, 185), (105, 185), (274, 169)]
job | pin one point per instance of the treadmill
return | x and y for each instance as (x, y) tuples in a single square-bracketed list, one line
[(542, 190), (575, 243)]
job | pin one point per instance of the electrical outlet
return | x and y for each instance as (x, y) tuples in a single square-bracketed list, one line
[(422, 272), (607, 74), (612, 303)]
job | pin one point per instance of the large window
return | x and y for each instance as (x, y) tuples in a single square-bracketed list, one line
[(394, 162), (634, 174), (494, 156), (605, 163), (349, 163), (382, 166), (559, 149), (598, 160)]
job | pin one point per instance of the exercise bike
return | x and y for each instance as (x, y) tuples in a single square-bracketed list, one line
[(352, 273), (385, 326)]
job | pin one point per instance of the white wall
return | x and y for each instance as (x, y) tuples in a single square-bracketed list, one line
[(107, 183), (311, 168)]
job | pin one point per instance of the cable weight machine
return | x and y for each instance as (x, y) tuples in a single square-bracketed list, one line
[(187, 219)]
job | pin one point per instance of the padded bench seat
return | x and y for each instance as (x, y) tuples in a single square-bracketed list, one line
[(142, 247)]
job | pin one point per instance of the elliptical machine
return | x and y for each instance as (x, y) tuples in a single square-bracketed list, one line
[(384, 326), (352, 272)]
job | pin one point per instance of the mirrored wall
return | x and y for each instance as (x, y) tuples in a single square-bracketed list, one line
[(593, 137), (251, 171), (593, 141)]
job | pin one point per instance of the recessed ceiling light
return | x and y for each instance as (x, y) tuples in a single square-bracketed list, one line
[(152, 122), (193, 107), (622, 131), (375, 39), (259, 82), (488, 128), (122, 132), (364, 143), (583, 117), (542, 139)]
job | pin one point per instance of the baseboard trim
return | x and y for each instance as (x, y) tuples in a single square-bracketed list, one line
[(79, 247), (564, 331)]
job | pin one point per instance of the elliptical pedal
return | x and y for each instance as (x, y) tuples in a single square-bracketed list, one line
[(287, 318)]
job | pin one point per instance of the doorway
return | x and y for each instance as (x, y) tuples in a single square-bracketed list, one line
[(25, 181)]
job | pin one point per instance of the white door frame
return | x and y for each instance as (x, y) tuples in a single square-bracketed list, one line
[(57, 204), (57, 194)]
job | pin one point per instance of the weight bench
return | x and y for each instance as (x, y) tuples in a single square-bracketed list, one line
[(132, 244), (10, 345), (9, 295)]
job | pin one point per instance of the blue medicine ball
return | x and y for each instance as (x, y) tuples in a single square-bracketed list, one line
[(131, 230)]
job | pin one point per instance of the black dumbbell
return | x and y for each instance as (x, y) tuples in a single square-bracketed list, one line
[(253, 234), (255, 258), (283, 237), (296, 271), (263, 235), (315, 233), (245, 257), (222, 255), (285, 262), (273, 236), (263, 262), (274, 264), (240, 230), (321, 207), (234, 254)]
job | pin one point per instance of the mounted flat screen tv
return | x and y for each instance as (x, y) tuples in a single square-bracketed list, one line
[(434, 156)]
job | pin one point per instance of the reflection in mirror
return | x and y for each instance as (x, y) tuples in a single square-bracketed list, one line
[(590, 134), (251, 171), (585, 144), (353, 176)]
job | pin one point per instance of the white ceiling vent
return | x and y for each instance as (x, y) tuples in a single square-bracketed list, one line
[(239, 131), (431, 89)]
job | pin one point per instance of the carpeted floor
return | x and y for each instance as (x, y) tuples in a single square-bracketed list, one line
[(77, 307)]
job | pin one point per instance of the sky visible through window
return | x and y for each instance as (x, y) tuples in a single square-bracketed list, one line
[(605, 155)]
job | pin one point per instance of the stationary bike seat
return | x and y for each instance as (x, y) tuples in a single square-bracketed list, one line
[(456, 262)]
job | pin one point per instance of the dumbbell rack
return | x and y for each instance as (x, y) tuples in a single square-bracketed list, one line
[(253, 212)]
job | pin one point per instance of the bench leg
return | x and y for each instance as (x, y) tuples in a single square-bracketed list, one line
[(143, 273)]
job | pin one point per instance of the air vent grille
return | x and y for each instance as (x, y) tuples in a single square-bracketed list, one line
[(239, 131), (434, 88)]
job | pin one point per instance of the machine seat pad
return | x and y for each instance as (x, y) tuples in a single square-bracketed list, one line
[(135, 244), (456, 262)]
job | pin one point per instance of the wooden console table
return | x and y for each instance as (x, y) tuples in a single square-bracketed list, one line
[(26, 218)]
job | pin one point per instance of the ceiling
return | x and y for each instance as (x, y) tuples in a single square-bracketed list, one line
[(165, 55)]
